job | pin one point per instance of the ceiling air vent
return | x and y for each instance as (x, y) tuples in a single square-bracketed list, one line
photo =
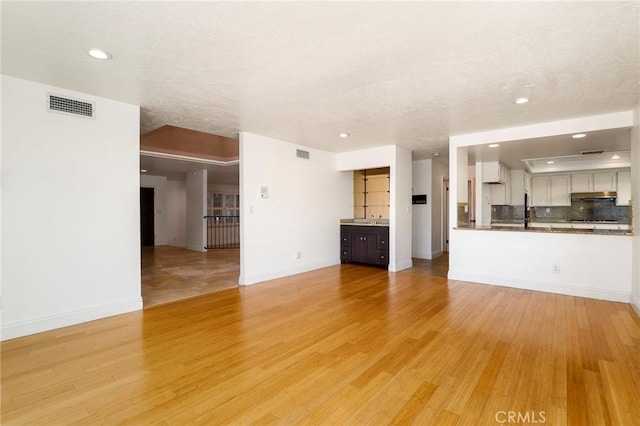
[(592, 151), (70, 106), (302, 154)]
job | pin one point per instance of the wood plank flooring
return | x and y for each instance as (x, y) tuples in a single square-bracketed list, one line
[(173, 273), (342, 345)]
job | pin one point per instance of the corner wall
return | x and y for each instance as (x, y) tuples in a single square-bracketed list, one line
[(70, 210), (306, 200)]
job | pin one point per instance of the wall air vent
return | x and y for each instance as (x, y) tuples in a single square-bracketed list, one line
[(66, 105), (592, 151), (302, 154)]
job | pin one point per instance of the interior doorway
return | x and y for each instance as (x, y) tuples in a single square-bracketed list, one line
[(147, 227)]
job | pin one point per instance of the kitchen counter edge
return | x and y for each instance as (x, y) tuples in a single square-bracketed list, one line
[(548, 230), (343, 222)]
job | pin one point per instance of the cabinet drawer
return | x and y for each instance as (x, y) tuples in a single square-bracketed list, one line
[(345, 254), (383, 257), (345, 239), (382, 242)]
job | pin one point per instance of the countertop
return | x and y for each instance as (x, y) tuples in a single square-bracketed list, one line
[(365, 222), (540, 228)]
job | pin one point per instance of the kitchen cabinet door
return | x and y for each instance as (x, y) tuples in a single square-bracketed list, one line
[(364, 244), (498, 194), (519, 186), (540, 194), (604, 181), (581, 182), (624, 188), (560, 190)]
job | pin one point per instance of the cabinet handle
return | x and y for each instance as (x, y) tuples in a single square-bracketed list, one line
[(365, 238)]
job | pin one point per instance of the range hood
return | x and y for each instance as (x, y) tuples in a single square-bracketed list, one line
[(601, 195), (588, 160)]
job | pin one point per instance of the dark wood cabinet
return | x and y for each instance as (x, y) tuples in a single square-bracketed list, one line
[(364, 244)]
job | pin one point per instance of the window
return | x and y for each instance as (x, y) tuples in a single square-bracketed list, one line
[(223, 204)]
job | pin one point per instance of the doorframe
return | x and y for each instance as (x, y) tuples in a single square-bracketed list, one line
[(153, 211)]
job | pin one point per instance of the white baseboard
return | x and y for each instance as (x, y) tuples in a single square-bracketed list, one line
[(421, 255), (569, 290), (25, 328), (401, 266), (196, 248), (272, 275), (436, 254), (636, 308)]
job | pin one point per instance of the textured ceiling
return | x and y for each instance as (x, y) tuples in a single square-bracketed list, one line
[(410, 73)]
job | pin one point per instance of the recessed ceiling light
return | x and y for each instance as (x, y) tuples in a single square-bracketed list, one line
[(436, 154), (99, 54), (522, 100), (615, 157), (143, 171), (494, 145), (550, 162), (579, 135), (344, 135)]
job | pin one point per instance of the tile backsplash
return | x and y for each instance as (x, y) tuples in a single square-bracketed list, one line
[(594, 210)]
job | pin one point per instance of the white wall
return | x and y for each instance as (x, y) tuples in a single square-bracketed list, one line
[(196, 210), (176, 219), (400, 211), (159, 185), (635, 191), (223, 187), (70, 210), (306, 200), (399, 161), (525, 259), (440, 172), (422, 225)]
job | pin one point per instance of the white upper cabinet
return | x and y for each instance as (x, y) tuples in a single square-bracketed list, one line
[(501, 193), (605, 181), (540, 195), (519, 186), (624, 188), (494, 172), (582, 182), (560, 190)]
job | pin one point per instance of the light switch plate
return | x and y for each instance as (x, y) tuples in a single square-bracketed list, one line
[(264, 192)]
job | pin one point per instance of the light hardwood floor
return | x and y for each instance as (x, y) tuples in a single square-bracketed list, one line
[(173, 273), (342, 345)]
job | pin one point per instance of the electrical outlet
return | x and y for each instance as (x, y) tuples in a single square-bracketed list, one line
[(297, 255), (555, 268)]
